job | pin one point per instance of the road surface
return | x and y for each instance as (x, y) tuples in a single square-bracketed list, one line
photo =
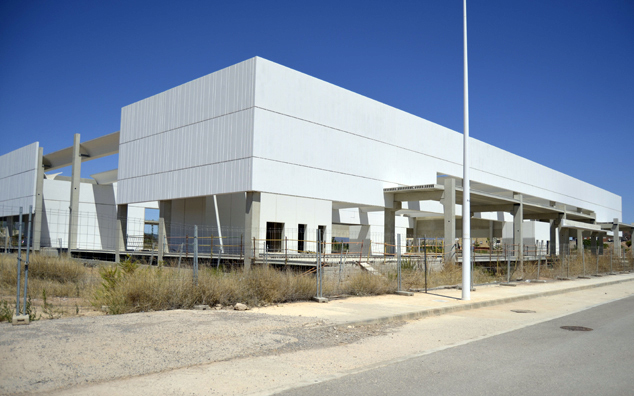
[(540, 359)]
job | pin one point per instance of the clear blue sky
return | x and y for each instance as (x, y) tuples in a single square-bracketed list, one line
[(552, 81)]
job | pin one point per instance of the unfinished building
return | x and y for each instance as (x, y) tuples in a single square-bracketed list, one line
[(260, 152)]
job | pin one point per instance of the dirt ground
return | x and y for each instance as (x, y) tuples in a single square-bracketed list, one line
[(71, 351)]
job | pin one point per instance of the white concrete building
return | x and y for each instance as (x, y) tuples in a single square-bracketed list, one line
[(258, 146)]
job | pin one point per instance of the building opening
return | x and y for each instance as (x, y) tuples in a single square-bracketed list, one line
[(274, 236), (301, 235), (322, 237)]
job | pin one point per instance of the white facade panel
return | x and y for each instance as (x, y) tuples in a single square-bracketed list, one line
[(96, 229), (18, 173), (224, 177), (192, 140), (385, 136), (226, 91), (97, 215)]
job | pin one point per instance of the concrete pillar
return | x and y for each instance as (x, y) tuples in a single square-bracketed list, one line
[(600, 243), (39, 199), (10, 225), (518, 232), (389, 227), (593, 243), (165, 216), (580, 242), (616, 244), (122, 231), (75, 182), (251, 227), (564, 241), (448, 201), (554, 232), (490, 235)]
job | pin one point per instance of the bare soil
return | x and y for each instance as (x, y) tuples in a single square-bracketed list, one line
[(48, 355)]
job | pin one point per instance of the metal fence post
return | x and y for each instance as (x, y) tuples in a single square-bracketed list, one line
[(340, 261), (398, 260), (472, 265), (318, 265), (26, 265), (17, 302), (195, 269), (425, 255), (6, 240), (508, 264), (539, 257)]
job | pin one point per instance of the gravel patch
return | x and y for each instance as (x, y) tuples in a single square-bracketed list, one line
[(47, 355)]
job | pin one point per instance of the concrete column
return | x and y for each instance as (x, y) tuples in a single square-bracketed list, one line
[(580, 241), (448, 201), (165, 216), (616, 244), (75, 181), (564, 241), (251, 227), (39, 187), (600, 243), (554, 232), (518, 232), (122, 231), (10, 224), (490, 234), (389, 226), (593, 243)]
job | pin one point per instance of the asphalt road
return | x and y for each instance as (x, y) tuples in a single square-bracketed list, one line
[(540, 360)]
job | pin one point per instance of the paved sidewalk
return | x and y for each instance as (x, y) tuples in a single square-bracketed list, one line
[(367, 310)]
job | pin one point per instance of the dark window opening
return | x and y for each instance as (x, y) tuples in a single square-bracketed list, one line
[(274, 236), (301, 235)]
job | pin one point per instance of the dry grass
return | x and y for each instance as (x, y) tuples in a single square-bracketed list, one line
[(130, 288), (59, 277)]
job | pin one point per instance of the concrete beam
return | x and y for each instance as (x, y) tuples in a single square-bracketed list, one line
[(39, 187), (418, 196), (542, 216), (251, 227), (492, 208), (449, 204), (75, 183)]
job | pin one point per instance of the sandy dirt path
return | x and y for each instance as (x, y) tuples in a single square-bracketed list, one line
[(229, 352)]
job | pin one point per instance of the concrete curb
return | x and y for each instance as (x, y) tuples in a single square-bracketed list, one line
[(481, 304)]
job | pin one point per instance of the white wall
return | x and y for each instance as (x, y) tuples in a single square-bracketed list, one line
[(293, 211), (192, 140), (337, 145), (18, 172), (259, 126), (97, 216)]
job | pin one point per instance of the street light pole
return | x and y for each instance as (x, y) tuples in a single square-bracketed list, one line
[(466, 190)]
